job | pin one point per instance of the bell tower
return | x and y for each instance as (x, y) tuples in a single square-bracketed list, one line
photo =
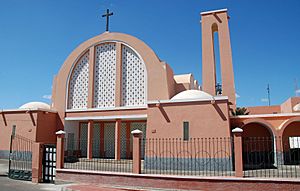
[(217, 22)]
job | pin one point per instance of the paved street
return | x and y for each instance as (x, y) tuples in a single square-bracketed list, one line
[(3, 167), (7, 184)]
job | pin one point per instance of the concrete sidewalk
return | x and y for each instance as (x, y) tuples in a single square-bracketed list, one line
[(3, 167), (97, 187), (64, 186)]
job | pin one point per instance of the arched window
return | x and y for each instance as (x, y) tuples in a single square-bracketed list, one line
[(133, 81), (78, 85), (105, 75)]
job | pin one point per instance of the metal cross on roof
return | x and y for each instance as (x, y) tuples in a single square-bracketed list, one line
[(107, 15)]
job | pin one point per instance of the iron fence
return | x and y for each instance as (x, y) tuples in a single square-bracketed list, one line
[(262, 156), (195, 157), (271, 157), (20, 158), (103, 156)]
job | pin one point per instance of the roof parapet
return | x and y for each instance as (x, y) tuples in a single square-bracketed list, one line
[(213, 12)]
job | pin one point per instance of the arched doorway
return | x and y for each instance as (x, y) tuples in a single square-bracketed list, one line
[(291, 142), (258, 146)]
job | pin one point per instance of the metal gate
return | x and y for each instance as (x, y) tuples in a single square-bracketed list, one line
[(20, 158), (49, 163)]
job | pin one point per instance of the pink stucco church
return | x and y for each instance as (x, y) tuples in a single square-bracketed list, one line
[(114, 83)]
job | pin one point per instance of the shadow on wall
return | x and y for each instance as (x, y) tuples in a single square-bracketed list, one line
[(220, 112), (164, 113), (215, 105)]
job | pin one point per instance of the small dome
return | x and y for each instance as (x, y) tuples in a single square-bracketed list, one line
[(192, 94), (297, 107), (35, 105)]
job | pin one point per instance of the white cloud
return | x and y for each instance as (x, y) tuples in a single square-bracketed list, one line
[(298, 91), (237, 95), (47, 96), (264, 99)]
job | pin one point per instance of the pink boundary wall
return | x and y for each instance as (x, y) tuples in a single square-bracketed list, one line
[(137, 179), (178, 182)]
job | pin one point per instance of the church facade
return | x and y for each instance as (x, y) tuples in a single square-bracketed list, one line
[(114, 83)]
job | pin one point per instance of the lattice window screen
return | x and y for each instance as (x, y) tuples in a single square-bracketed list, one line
[(105, 76), (83, 138), (123, 140), (78, 91), (109, 140), (96, 140), (133, 78)]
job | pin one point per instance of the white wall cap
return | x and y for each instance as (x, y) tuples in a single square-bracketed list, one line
[(237, 130), (60, 132), (26, 110), (297, 107), (183, 78), (265, 115), (112, 117), (136, 131), (216, 98), (214, 11), (108, 108)]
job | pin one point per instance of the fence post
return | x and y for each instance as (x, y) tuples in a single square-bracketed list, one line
[(60, 149), (136, 151), (37, 165), (90, 139), (238, 151), (118, 139)]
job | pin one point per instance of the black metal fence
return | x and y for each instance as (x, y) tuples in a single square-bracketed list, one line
[(196, 156), (271, 157), (20, 159), (103, 156), (262, 156)]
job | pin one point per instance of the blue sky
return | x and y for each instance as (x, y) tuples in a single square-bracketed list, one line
[(36, 36)]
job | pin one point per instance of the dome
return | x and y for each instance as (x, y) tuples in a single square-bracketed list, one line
[(35, 105), (297, 107), (192, 94)]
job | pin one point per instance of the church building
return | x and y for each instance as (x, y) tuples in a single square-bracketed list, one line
[(115, 83)]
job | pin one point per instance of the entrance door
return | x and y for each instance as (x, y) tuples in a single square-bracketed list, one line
[(49, 163)]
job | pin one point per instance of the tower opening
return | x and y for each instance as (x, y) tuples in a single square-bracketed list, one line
[(217, 64)]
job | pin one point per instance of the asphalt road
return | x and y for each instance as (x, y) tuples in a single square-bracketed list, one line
[(7, 184), (3, 167)]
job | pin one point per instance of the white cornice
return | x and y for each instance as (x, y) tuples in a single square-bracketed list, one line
[(106, 109), (266, 115), (113, 117), (214, 11), (216, 98), (27, 110)]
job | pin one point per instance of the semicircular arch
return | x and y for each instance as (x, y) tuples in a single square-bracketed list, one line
[(262, 122), (157, 75), (286, 123)]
